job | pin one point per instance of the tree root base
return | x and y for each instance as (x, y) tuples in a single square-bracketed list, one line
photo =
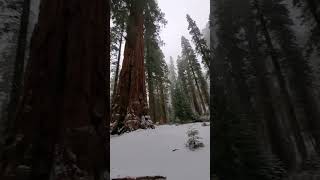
[(131, 125)]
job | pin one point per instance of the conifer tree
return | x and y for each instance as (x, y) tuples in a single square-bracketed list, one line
[(173, 80), (157, 72), (162, 82), (130, 102), (119, 15), (181, 104), (130, 107), (200, 42), (154, 58), (187, 82), (194, 66)]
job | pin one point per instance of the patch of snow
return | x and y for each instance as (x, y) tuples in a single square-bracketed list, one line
[(161, 151)]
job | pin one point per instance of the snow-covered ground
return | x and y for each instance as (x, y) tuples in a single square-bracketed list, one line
[(149, 153)]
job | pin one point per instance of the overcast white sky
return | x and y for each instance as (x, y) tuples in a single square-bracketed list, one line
[(177, 26)]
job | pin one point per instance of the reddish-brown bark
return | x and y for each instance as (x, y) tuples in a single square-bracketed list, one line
[(130, 103), (62, 116)]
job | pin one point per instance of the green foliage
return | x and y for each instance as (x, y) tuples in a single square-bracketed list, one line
[(159, 77), (200, 42), (194, 140), (154, 19), (182, 109), (120, 12), (181, 98), (119, 17), (156, 67), (190, 56), (115, 35)]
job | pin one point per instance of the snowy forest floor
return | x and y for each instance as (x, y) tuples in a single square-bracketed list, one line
[(161, 151)]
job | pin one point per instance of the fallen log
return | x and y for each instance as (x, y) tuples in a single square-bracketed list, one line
[(142, 178)]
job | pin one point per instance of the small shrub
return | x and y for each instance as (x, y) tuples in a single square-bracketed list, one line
[(193, 141)]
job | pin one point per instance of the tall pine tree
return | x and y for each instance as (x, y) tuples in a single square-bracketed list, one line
[(196, 72), (200, 42)]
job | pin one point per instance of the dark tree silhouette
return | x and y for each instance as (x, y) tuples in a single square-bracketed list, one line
[(60, 127)]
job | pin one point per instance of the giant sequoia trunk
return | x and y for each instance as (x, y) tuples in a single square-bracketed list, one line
[(9, 34), (19, 63), (130, 106), (60, 128)]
